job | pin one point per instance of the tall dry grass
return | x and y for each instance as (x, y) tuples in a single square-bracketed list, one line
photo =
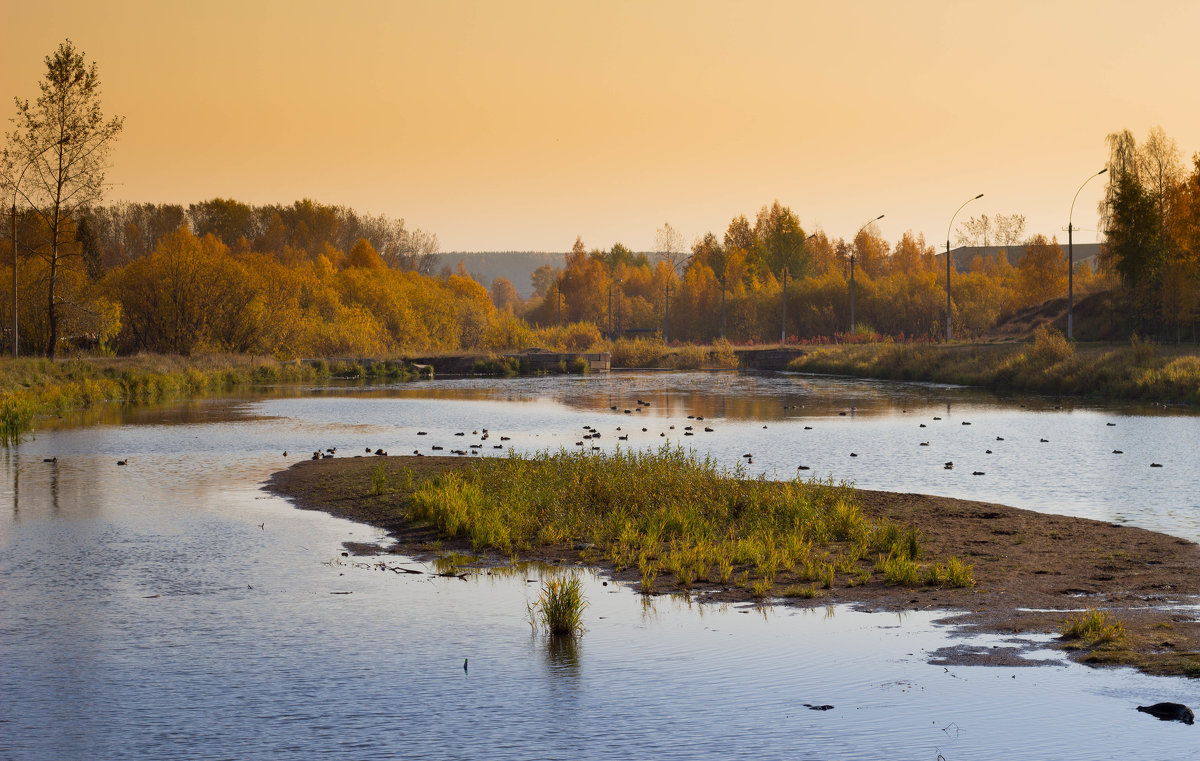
[(1049, 363), (38, 386)]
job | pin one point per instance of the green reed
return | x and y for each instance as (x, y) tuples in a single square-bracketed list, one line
[(665, 511), (559, 609), (1093, 627)]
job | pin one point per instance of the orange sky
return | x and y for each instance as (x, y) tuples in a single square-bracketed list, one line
[(517, 126)]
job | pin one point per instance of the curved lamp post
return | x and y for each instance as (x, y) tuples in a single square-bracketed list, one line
[(864, 227), (619, 281), (948, 229), (1071, 259), (610, 319)]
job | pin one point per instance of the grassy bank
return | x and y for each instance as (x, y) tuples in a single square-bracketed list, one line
[(33, 387), (654, 353), (669, 514), (1049, 364), (628, 353)]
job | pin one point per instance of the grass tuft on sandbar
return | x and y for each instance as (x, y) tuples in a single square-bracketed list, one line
[(670, 512)]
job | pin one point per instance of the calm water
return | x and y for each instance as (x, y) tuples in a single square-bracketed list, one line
[(145, 614)]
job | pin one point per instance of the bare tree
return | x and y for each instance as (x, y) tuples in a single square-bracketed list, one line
[(1000, 230), (1160, 166), (62, 141), (1009, 229), (976, 231), (669, 245)]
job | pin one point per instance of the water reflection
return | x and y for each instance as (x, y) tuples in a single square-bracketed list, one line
[(11, 469), (729, 395), (148, 616), (562, 655)]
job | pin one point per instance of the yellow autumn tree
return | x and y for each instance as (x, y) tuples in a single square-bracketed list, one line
[(1041, 273)]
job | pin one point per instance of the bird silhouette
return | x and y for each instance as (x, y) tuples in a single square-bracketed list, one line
[(1169, 712)]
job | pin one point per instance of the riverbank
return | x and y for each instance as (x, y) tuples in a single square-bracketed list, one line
[(1032, 571), (1049, 365), (38, 386)]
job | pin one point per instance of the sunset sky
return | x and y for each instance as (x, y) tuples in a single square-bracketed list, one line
[(520, 125)]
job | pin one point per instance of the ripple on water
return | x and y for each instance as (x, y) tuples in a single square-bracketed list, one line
[(148, 616)]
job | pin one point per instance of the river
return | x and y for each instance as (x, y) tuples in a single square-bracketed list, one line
[(170, 608)]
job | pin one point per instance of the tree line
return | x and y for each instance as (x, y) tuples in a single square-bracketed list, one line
[(733, 286), (130, 279), (316, 279)]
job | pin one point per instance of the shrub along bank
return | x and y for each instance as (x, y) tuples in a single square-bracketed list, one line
[(1049, 364), (32, 387)]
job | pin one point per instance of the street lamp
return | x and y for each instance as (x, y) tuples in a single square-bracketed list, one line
[(610, 309), (960, 208), (864, 227), (783, 318), (1071, 259), (619, 281), (610, 319)]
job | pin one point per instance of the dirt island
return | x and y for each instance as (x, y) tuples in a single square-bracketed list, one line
[(1032, 571)]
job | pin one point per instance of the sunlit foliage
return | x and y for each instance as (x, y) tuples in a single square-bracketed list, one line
[(316, 280)]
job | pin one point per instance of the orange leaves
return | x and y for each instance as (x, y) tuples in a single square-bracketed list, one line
[(1041, 273), (191, 294), (363, 256)]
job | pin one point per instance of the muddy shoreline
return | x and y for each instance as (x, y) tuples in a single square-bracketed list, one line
[(1031, 569)]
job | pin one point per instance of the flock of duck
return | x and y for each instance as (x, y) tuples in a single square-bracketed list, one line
[(589, 440), (591, 434)]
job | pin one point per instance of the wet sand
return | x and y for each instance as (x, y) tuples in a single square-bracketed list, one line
[(1031, 569)]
